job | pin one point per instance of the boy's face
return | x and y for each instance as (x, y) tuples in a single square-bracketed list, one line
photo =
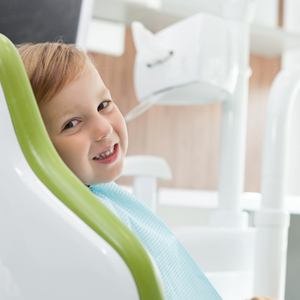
[(87, 129)]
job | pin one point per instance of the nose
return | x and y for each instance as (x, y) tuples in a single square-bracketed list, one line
[(101, 128)]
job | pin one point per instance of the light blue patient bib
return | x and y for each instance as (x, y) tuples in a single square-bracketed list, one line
[(181, 277)]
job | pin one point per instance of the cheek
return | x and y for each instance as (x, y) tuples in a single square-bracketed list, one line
[(69, 151), (123, 133), (120, 127)]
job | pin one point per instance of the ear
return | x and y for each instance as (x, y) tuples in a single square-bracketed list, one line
[(147, 45)]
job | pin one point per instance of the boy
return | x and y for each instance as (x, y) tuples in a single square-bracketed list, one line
[(89, 133), (85, 126)]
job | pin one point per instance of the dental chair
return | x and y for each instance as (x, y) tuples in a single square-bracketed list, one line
[(57, 241)]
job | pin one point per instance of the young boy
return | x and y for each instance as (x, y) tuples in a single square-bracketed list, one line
[(85, 126), (89, 133)]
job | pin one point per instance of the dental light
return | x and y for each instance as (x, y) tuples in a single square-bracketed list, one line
[(179, 67)]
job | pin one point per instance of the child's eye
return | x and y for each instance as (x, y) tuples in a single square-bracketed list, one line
[(104, 104), (71, 124)]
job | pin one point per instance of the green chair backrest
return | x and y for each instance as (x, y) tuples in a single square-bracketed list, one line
[(47, 165)]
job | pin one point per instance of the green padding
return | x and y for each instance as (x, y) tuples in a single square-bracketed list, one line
[(48, 166)]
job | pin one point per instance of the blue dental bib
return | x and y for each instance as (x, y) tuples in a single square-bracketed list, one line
[(181, 277)]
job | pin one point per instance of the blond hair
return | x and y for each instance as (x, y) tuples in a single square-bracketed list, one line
[(50, 66)]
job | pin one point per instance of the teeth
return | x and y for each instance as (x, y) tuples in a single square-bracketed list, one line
[(105, 153)]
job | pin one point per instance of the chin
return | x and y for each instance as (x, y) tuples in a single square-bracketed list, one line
[(110, 176), (107, 179)]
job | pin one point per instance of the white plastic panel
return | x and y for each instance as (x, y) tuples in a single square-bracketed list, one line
[(225, 255), (186, 68), (46, 251), (106, 37), (266, 13)]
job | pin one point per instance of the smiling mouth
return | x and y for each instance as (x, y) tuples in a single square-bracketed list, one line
[(108, 155)]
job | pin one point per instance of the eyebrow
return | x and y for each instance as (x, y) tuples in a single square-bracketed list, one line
[(64, 116)]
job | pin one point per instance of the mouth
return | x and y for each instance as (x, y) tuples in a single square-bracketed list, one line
[(107, 156)]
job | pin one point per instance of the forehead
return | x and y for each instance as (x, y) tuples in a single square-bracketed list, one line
[(88, 87), (88, 82)]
